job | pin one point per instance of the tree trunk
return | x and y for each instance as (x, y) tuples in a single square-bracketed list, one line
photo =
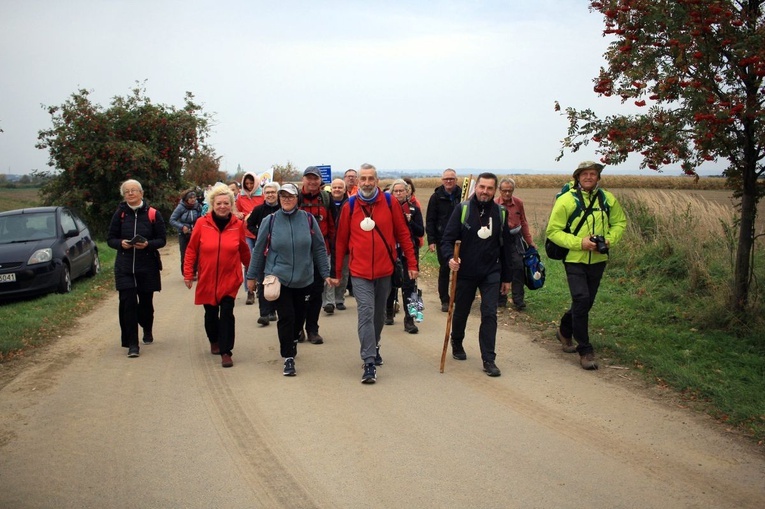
[(745, 240)]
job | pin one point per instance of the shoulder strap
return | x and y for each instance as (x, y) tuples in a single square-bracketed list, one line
[(584, 216), (465, 212), (268, 239), (310, 223), (152, 215)]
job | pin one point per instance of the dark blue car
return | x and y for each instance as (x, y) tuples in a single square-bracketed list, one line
[(42, 250)]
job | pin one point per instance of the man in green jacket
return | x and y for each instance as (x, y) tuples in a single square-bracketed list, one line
[(603, 226)]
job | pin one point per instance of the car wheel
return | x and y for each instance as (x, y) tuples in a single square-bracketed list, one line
[(65, 284), (95, 265)]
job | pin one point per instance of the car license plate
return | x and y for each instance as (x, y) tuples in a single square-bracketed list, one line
[(8, 278)]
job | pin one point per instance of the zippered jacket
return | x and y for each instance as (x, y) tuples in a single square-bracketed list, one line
[(293, 236), (219, 256), (609, 224), (440, 208), (479, 257), (369, 257), (127, 223)]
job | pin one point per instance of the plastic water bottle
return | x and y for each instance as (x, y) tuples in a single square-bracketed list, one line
[(418, 317), (412, 309)]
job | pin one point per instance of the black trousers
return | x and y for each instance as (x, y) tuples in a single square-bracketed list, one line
[(183, 243), (291, 307), (443, 275), (464, 296), (265, 307), (135, 308), (220, 324), (583, 283), (313, 306)]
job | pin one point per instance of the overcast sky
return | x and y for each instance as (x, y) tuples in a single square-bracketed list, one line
[(407, 84)]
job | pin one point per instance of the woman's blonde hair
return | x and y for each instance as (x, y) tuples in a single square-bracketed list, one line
[(217, 190)]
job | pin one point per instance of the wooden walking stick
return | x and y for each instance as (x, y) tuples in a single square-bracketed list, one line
[(452, 291)]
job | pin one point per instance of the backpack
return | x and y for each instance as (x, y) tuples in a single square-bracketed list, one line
[(556, 252), (465, 212), (152, 215), (533, 269)]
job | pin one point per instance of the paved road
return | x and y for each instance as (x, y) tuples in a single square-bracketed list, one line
[(86, 427)]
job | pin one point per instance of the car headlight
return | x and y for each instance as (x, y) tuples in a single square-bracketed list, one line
[(41, 256)]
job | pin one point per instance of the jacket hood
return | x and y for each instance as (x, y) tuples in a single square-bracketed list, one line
[(255, 188)]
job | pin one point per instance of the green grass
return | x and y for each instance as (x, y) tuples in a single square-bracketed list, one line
[(662, 311), (647, 324), (36, 321)]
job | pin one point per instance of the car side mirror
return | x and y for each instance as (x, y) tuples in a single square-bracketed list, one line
[(71, 233)]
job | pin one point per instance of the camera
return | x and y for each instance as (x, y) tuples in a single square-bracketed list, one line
[(600, 243)]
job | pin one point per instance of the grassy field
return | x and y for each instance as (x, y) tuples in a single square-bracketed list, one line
[(12, 198), (662, 310)]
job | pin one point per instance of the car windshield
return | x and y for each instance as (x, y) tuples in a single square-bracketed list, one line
[(26, 227)]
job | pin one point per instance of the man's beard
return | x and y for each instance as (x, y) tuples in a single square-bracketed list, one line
[(367, 194)]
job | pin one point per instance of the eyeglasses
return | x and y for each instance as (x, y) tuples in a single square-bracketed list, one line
[(448, 179), (131, 191), (287, 196), (506, 191)]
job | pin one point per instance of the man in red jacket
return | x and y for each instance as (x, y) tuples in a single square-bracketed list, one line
[(368, 230)]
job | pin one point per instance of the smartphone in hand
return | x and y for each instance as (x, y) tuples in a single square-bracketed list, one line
[(138, 239)]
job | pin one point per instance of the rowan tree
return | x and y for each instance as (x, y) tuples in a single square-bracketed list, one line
[(285, 172), (697, 68), (203, 168), (94, 149)]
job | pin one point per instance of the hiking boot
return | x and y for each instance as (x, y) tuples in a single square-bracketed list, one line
[(588, 361), (378, 358), (250, 298), (340, 306), (520, 306), (389, 317), (133, 352), (225, 360), (457, 351), (301, 337), (263, 320), (314, 338), (567, 343), (329, 309), (214, 349), (289, 367), (409, 325), (272, 316), (148, 338), (491, 369), (445, 307), (370, 374)]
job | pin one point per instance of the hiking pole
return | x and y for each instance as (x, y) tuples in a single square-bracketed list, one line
[(452, 291)]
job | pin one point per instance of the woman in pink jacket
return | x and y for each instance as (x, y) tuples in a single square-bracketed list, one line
[(218, 248)]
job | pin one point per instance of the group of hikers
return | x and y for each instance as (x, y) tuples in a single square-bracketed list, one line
[(298, 249)]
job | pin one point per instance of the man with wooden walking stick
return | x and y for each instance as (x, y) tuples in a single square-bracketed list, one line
[(483, 264)]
